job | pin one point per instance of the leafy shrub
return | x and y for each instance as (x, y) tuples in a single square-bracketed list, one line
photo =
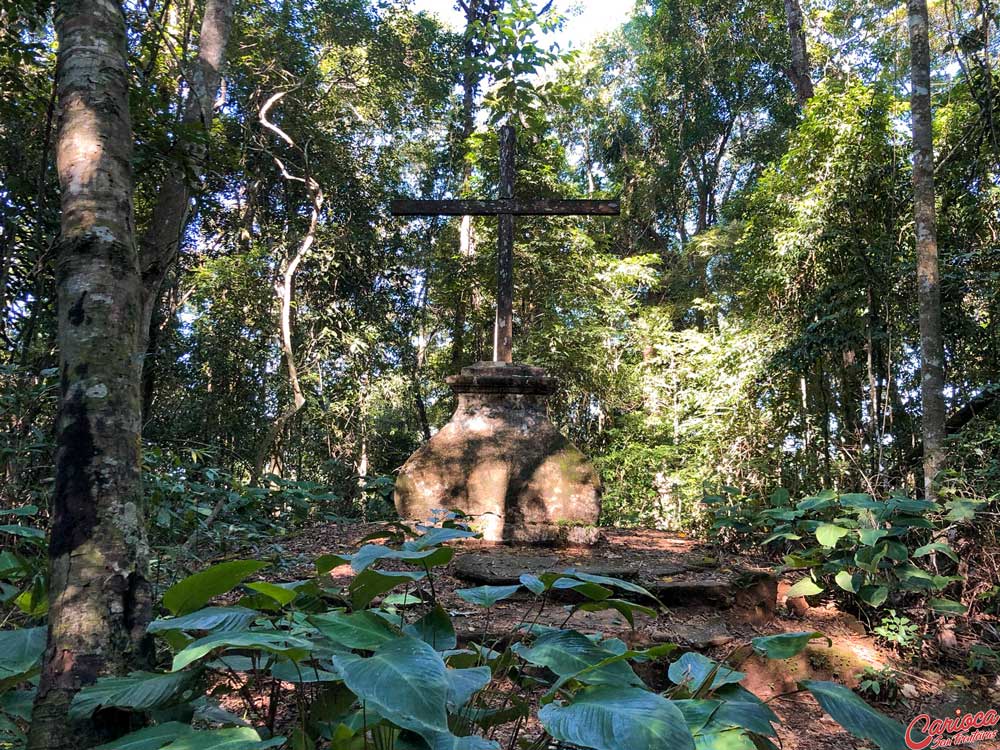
[(879, 684), (378, 664), (867, 550), (898, 631)]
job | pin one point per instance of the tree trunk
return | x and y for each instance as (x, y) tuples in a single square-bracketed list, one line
[(285, 291), (925, 227), (161, 241), (99, 596), (798, 71)]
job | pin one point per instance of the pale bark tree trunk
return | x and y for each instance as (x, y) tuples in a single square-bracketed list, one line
[(161, 241), (99, 595), (798, 70), (285, 289), (925, 228)]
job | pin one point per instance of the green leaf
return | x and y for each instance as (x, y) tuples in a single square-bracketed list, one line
[(363, 630), (280, 594), (487, 596), (24, 510), (569, 653), (210, 618), (274, 642), (405, 680), (301, 674), (140, 691), (947, 606), (193, 592), (371, 583), (856, 716), (612, 582), (870, 536), (944, 549), (440, 535), (451, 742), (150, 738), (464, 683), (176, 736), (28, 532), (434, 628), (785, 645), (828, 534), (849, 582), (534, 584), (589, 589), (695, 670), (805, 587), (20, 652), (371, 553), (874, 596), (625, 608), (615, 717)]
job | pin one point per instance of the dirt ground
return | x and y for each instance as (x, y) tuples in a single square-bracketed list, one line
[(720, 628)]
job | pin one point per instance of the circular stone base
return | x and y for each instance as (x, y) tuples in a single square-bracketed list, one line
[(500, 460)]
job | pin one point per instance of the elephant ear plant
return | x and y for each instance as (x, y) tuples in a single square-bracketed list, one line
[(376, 664)]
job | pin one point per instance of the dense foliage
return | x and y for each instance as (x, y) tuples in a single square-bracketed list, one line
[(378, 663)]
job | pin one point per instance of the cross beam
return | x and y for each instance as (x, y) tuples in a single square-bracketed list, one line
[(505, 209), (515, 207)]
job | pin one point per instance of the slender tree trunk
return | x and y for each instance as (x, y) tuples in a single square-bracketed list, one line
[(161, 241), (798, 70), (99, 596), (925, 227), (285, 290)]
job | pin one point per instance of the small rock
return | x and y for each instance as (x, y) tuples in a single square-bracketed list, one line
[(908, 690), (695, 634)]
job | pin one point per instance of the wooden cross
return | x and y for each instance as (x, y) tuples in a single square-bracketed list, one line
[(506, 208)]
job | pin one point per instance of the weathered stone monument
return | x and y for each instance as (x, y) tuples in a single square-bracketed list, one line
[(500, 459)]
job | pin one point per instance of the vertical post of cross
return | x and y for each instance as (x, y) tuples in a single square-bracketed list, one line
[(503, 334)]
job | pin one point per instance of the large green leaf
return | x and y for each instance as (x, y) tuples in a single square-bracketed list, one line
[(487, 596), (371, 583), (569, 653), (176, 736), (363, 630), (933, 547), (140, 691), (947, 606), (371, 553), (856, 716), (209, 618), (434, 628), (625, 608), (439, 535), (283, 595), (20, 652), (828, 534), (849, 582), (613, 582), (695, 670), (464, 683), (274, 642), (405, 680), (610, 717), (451, 742), (28, 532), (804, 587), (785, 645), (195, 591)]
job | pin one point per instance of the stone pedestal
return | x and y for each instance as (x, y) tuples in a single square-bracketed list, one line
[(502, 461)]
